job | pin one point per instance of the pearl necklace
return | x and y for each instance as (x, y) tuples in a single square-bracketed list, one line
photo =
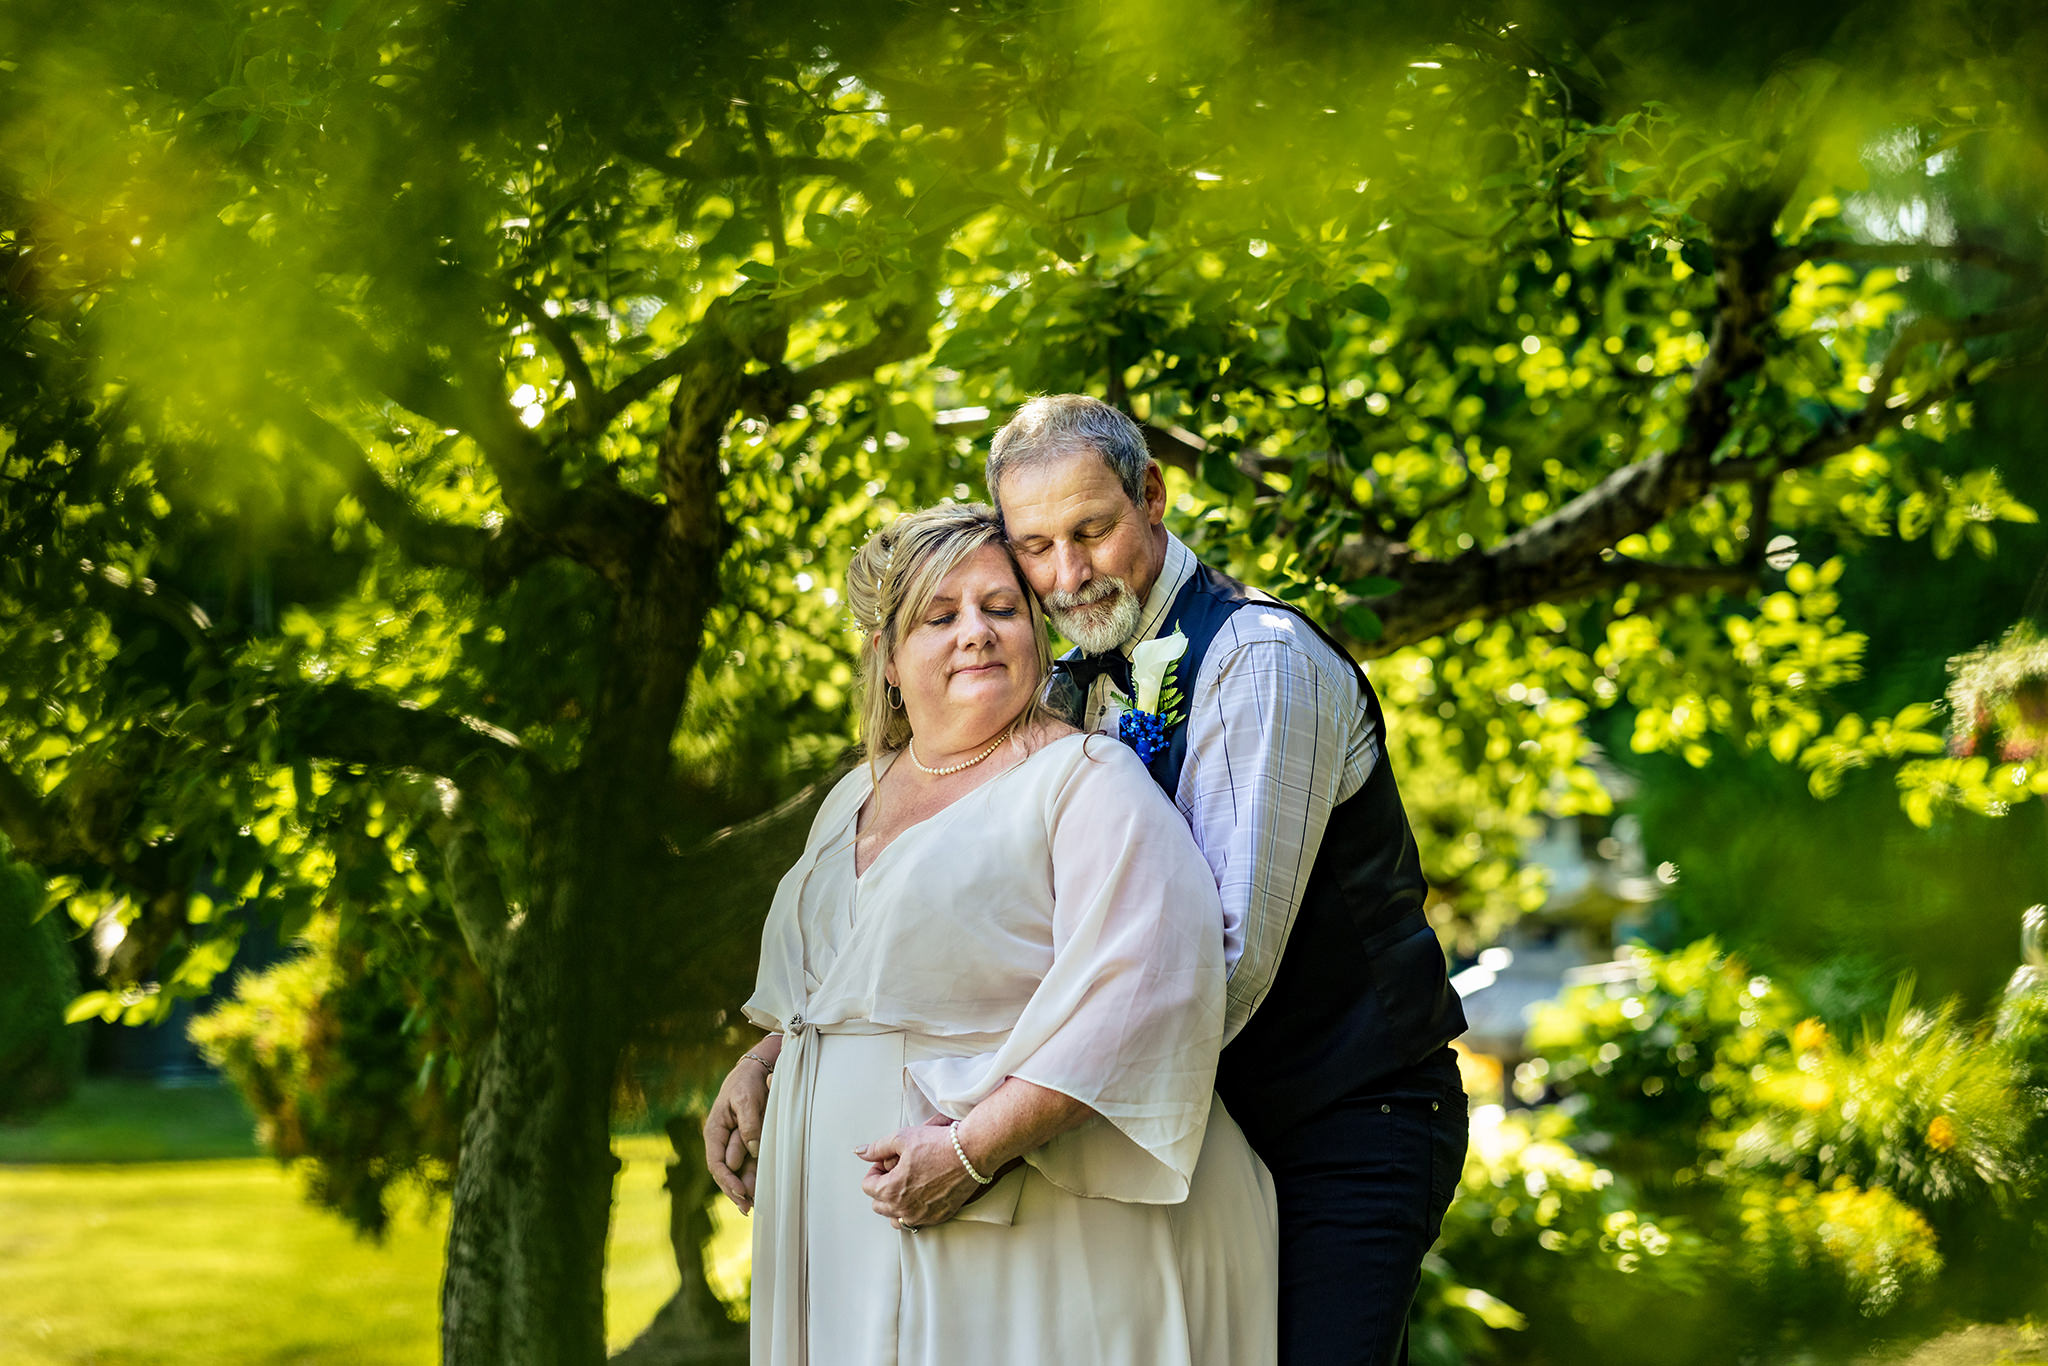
[(994, 745)]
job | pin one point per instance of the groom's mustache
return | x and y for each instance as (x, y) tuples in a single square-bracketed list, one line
[(1087, 595)]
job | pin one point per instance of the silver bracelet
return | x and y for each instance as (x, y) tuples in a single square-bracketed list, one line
[(766, 1065), (961, 1153)]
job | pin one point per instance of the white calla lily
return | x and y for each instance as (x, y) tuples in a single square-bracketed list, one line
[(1150, 661)]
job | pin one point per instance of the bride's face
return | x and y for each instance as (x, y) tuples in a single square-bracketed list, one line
[(967, 665)]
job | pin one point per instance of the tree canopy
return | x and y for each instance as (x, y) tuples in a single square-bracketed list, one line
[(433, 435)]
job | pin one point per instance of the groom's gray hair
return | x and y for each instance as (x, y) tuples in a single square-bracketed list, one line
[(1053, 426)]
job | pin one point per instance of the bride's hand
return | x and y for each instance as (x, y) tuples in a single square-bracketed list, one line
[(915, 1178), (732, 1131)]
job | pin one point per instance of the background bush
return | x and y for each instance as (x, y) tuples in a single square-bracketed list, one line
[(1722, 1175), (41, 1057)]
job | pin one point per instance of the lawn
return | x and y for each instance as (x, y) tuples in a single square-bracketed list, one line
[(138, 1227)]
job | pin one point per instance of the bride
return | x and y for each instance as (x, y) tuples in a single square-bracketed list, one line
[(993, 991)]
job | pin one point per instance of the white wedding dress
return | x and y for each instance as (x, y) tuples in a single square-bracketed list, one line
[(1056, 924)]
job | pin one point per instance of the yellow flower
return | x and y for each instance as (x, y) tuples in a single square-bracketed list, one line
[(1809, 1035), (1941, 1134)]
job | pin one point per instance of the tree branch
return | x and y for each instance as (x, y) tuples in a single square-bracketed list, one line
[(166, 604), (1183, 450), (729, 162), (493, 556), (352, 725), (556, 333), (475, 890), (1436, 595), (1884, 409), (771, 181), (610, 403), (597, 524), (902, 333), (1563, 553)]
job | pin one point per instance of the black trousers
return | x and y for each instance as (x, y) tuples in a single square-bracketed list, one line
[(1363, 1186)]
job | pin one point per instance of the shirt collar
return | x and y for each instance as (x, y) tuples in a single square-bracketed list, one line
[(1173, 576)]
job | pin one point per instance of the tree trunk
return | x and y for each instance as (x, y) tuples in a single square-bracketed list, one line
[(524, 1284)]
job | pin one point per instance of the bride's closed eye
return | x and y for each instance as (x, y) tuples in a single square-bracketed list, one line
[(946, 618)]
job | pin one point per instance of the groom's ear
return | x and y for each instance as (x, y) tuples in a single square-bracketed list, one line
[(1154, 495)]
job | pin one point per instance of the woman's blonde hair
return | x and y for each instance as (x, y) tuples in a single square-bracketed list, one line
[(893, 579)]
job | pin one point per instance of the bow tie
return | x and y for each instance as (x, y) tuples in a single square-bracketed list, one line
[(1085, 669)]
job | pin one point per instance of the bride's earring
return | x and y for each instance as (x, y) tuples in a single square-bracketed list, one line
[(895, 696)]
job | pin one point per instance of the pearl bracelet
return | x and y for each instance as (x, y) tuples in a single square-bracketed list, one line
[(961, 1153)]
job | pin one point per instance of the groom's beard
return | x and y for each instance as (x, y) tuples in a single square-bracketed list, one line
[(1099, 618)]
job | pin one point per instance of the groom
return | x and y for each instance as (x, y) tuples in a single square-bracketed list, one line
[(1338, 1012)]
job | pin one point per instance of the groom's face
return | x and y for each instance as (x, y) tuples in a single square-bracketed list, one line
[(1091, 553)]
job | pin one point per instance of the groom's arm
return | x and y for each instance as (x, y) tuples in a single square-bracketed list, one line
[(1268, 742)]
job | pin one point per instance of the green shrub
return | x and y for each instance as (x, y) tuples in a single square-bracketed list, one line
[(1728, 1178), (1547, 1245), (1664, 1055), (1812, 1251), (41, 1057), (351, 1061), (1917, 1106)]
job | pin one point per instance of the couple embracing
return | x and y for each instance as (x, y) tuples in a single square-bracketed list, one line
[(1103, 1021)]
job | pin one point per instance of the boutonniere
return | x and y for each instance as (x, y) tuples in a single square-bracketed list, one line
[(1158, 704)]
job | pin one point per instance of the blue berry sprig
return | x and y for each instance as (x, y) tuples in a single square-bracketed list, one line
[(1144, 732)]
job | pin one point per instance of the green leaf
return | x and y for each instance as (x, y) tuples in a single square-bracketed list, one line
[(1302, 346), (1372, 586), (1219, 473), (49, 747), (92, 1005), (760, 270), (1361, 623), (1363, 298), (1140, 214)]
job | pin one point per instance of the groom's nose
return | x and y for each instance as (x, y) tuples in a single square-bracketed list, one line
[(1071, 567)]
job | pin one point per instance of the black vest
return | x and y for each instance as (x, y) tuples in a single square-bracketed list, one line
[(1362, 991)]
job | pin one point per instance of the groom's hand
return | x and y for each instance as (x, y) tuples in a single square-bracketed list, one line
[(732, 1131), (914, 1177)]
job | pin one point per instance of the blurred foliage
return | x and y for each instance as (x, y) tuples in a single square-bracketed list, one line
[(1662, 1057), (1711, 1138), (42, 1054), (1546, 1245), (1998, 698), (432, 437), (1836, 899)]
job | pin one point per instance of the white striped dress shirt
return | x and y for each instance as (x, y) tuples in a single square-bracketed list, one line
[(1278, 734)]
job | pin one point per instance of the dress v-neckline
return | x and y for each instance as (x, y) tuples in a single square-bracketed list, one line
[(853, 845)]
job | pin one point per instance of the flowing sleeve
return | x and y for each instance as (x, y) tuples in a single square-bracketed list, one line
[(1128, 1020)]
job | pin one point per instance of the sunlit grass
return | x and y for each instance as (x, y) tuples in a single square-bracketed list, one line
[(220, 1260)]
